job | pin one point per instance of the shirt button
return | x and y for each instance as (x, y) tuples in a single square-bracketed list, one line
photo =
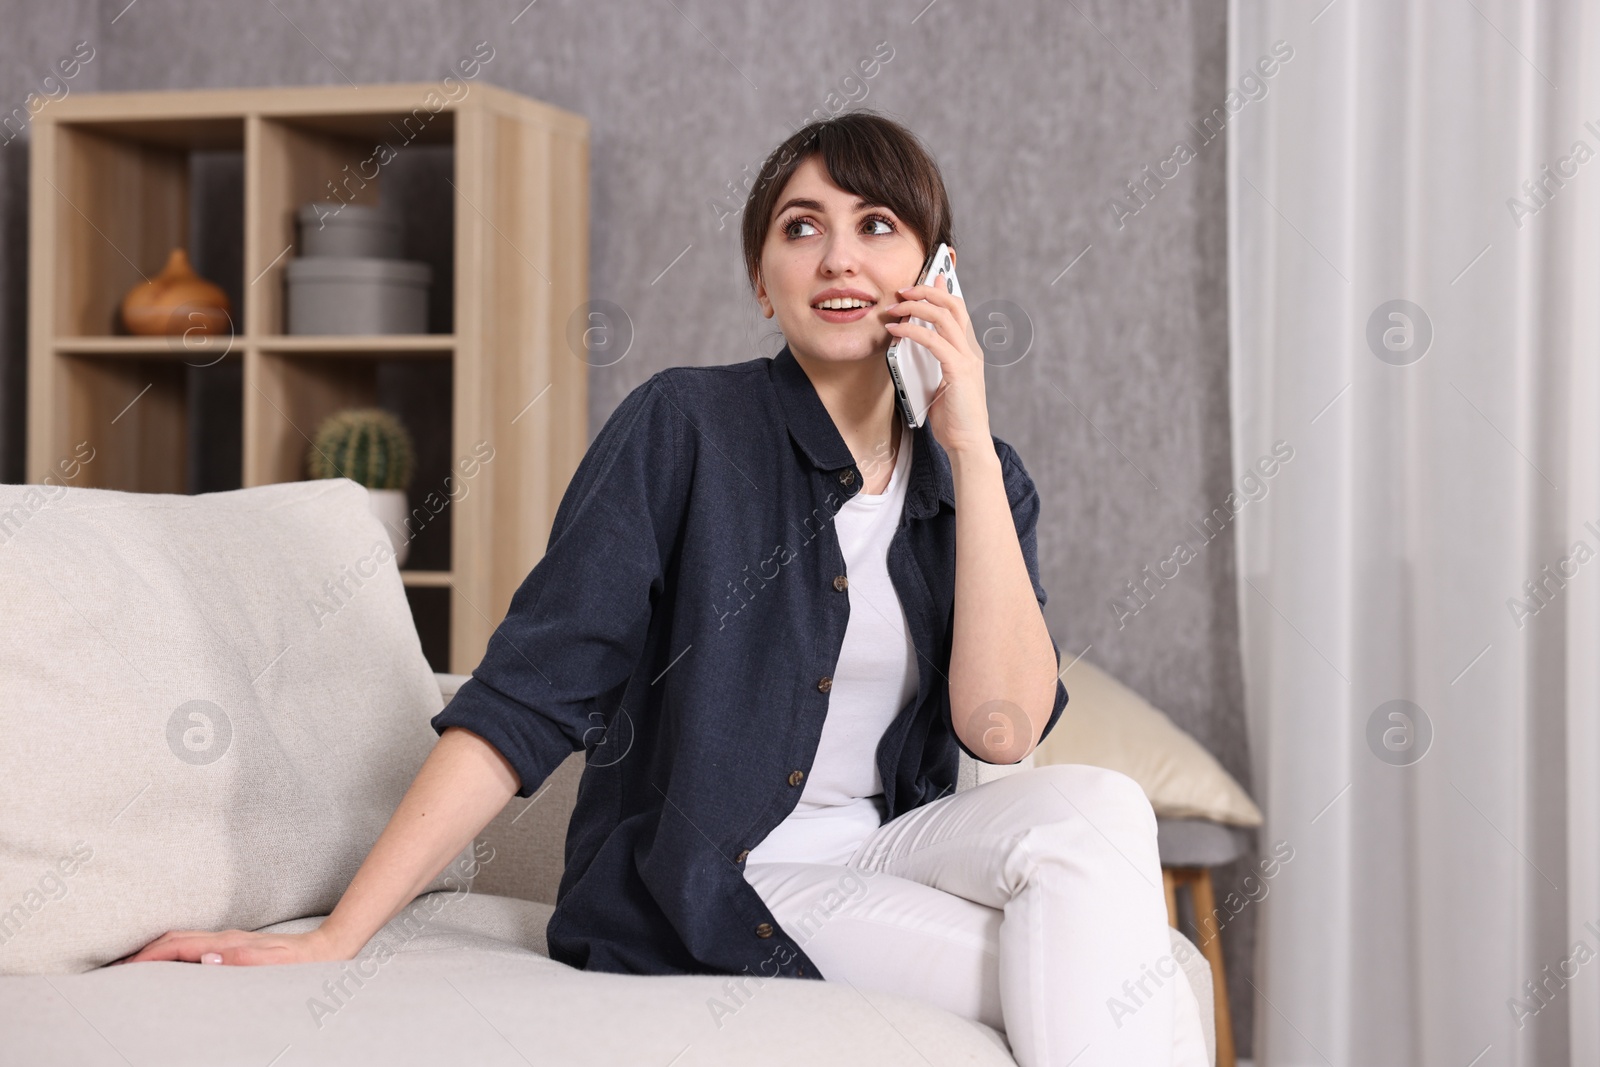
[(825, 683), (847, 477), (796, 777), (764, 930), (742, 854), (841, 583)]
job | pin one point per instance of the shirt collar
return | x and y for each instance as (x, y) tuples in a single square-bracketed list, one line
[(813, 430)]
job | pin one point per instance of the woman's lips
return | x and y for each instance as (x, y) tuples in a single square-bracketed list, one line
[(842, 315)]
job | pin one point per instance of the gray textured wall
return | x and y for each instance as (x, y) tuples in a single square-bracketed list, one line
[(1119, 409)]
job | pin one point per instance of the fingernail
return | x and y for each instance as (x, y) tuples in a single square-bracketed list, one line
[(211, 957)]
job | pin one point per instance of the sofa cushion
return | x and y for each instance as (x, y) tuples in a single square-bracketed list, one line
[(464, 977), (467, 988), (212, 704)]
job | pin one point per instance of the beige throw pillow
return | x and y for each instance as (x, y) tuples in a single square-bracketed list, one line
[(1109, 725), (209, 706)]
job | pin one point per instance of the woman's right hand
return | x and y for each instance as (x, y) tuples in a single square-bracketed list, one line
[(239, 948)]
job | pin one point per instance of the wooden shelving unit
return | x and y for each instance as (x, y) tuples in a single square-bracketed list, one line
[(111, 184)]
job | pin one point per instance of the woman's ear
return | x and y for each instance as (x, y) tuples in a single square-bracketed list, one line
[(761, 296), (952, 258)]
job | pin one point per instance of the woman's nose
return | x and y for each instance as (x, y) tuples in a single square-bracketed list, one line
[(840, 256)]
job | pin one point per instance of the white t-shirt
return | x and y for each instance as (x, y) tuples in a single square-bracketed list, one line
[(876, 676)]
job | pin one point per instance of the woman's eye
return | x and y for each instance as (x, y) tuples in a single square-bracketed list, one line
[(888, 227), (789, 228)]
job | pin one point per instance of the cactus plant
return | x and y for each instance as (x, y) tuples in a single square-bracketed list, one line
[(366, 445)]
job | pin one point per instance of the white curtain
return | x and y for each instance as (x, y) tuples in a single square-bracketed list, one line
[(1445, 453)]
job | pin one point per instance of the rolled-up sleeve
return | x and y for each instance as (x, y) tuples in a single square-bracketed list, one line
[(576, 627), (1023, 497)]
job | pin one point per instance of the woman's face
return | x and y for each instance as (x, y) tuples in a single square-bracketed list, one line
[(824, 243)]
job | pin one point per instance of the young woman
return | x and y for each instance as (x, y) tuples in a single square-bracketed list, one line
[(773, 616)]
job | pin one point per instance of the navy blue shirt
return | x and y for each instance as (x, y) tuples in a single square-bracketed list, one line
[(682, 628)]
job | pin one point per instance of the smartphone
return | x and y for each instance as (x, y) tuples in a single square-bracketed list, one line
[(916, 371)]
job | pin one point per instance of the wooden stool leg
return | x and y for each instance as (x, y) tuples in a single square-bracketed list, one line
[(1205, 904), (1171, 886)]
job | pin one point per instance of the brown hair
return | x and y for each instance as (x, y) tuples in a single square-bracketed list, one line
[(864, 153)]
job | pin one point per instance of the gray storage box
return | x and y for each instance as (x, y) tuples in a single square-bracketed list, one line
[(337, 295), (349, 231)]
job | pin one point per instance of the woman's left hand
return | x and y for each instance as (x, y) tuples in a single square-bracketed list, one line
[(959, 415)]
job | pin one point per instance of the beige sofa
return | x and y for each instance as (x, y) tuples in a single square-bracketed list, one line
[(135, 605)]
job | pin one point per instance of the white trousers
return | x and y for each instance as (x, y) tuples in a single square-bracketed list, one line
[(1032, 903)]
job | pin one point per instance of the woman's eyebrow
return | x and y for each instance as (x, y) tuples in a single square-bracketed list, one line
[(812, 205)]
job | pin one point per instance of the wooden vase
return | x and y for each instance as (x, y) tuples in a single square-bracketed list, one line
[(176, 301)]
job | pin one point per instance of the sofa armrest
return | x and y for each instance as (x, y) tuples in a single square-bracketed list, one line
[(1198, 972), (971, 772)]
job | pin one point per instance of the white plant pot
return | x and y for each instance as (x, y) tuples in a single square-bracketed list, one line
[(390, 507)]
